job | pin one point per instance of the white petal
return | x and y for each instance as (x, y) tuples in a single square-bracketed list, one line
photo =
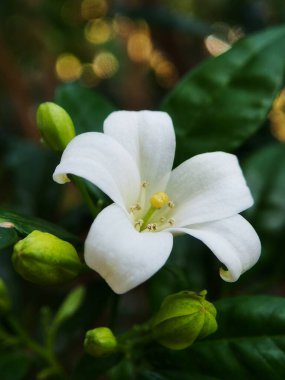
[(208, 187), (233, 240), (103, 161), (150, 139), (123, 256)]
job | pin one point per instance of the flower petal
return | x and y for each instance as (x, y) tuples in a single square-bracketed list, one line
[(232, 240), (208, 187), (103, 161), (149, 137), (123, 256)]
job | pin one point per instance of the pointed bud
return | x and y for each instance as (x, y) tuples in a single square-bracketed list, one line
[(45, 259), (5, 302), (184, 317), (100, 342), (55, 125)]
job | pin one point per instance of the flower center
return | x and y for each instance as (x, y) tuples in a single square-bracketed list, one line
[(154, 216)]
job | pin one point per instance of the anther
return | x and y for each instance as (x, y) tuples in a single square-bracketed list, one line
[(162, 220), (135, 207), (152, 226), (145, 184), (138, 224), (171, 221), (171, 204)]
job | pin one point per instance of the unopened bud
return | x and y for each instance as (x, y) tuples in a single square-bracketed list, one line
[(55, 125), (5, 302), (184, 317), (45, 259), (100, 342)]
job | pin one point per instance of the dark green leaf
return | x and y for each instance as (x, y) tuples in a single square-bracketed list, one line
[(8, 236), (90, 368), (249, 344), (26, 224), (265, 175), (14, 366), (87, 109), (224, 101)]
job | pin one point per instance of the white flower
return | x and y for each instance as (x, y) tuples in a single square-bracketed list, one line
[(131, 162)]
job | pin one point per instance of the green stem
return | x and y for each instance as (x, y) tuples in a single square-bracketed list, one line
[(147, 217), (85, 194)]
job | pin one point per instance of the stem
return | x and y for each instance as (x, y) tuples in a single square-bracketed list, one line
[(85, 194), (43, 352), (147, 217)]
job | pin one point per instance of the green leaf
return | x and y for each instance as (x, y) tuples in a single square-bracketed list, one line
[(8, 236), (87, 109), (249, 344), (90, 368), (265, 175), (70, 305), (14, 365), (220, 104), (27, 224)]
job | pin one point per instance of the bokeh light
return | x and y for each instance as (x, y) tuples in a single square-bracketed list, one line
[(215, 45), (139, 46), (91, 9), (277, 117), (105, 65), (98, 31), (68, 67)]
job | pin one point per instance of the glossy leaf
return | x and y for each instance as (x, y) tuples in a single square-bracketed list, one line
[(26, 224), (221, 103), (87, 109), (8, 236), (265, 175), (249, 344)]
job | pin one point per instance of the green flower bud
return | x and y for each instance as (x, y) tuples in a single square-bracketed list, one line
[(182, 318), (100, 342), (45, 259), (55, 125), (5, 302)]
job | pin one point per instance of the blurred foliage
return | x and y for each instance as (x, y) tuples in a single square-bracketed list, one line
[(95, 56)]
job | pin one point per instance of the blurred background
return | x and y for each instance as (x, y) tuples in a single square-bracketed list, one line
[(133, 52)]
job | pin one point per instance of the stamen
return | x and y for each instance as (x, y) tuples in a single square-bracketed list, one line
[(152, 226), (171, 204), (171, 221), (159, 200), (162, 220), (145, 184), (138, 224), (135, 207)]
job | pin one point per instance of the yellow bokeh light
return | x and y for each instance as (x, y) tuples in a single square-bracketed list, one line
[(68, 67), (91, 9), (166, 73), (277, 117), (139, 47), (105, 65), (98, 31), (215, 45)]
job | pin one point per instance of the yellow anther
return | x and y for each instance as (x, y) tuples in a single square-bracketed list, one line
[(171, 221), (171, 204), (158, 200)]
